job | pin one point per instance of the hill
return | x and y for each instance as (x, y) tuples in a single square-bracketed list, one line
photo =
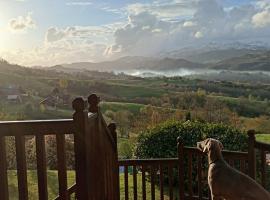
[(248, 62), (137, 62)]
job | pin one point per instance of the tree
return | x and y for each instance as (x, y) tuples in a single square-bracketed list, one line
[(125, 150)]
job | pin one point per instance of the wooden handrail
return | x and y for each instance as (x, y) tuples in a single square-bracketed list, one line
[(34, 127), (262, 145), (154, 161)]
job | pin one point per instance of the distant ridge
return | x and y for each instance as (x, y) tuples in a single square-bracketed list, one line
[(248, 62), (137, 62)]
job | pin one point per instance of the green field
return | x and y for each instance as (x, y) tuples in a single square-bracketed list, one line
[(117, 106), (53, 185), (263, 138)]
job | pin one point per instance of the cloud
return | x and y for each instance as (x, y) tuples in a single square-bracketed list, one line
[(189, 24), (22, 23), (166, 10), (198, 35), (79, 3), (151, 28), (261, 19), (158, 27), (54, 34)]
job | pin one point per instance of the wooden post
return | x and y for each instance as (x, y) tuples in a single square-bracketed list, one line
[(112, 128), (180, 148), (79, 118), (93, 101), (251, 154)]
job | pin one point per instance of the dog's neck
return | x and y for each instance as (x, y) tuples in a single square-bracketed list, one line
[(214, 156)]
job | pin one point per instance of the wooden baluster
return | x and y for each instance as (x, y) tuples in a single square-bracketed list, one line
[(251, 154), (3, 170), (112, 127), (143, 183), (153, 176), (170, 173), (61, 164), (190, 191), (180, 149), (41, 167), (161, 182), (135, 182), (231, 162), (126, 182), (21, 167), (242, 166), (79, 118), (263, 164), (199, 175)]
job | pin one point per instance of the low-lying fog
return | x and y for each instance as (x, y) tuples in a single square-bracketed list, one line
[(214, 75), (152, 73), (188, 72)]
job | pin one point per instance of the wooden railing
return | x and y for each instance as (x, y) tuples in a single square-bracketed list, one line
[(257, 154), (184, 177), (37, 129), (97, 165), (95, 154)]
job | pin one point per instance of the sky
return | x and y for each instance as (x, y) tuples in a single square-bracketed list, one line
[(45, 33)]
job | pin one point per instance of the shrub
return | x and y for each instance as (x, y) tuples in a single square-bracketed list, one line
[(160, 141)]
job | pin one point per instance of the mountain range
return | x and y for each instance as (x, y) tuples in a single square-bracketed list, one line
[(234, 57), (251, 61)]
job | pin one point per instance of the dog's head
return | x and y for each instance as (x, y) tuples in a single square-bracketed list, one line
[(209, 144)]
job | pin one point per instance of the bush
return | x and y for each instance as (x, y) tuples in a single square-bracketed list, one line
[(160, 141)]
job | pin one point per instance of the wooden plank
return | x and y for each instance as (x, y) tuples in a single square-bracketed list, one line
[(251, 154), (149, 162), (126, 181), (61, 164), (262, 145), (135, 195), (190, 190), (263, 164), (242, 166), (231, 162), (41, 167), (180, 149), (199, 158), (3, 170), (161, 180), (170, 173), (21, 167), (143, 183), (22, 128), (70, 191), (153, 174)]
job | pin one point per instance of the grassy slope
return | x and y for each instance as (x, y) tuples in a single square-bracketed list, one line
[(263, 138)]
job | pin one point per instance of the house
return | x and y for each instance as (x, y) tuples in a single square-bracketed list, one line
[(12, 94), (56, 98), (50, 102), (14, 98)]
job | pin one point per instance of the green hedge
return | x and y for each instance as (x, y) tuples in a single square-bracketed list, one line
[(160, 141)]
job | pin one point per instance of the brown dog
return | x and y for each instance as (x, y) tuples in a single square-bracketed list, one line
[(226, 182)]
